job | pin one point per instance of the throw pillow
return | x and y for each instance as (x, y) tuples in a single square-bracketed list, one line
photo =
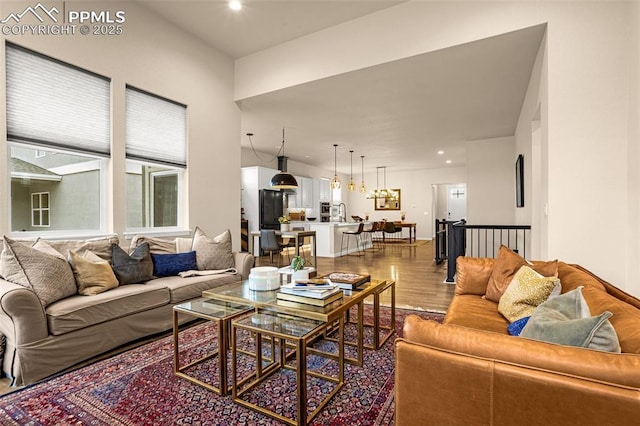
[(515, 328), (213, 253), (93, 274), (167, 265), (136, 267), (156, 245), (566, 320), (98, 246), (505, 267), (39, 268), (527, 290)]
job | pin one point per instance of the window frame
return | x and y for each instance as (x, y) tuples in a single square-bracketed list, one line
[(41, 209)]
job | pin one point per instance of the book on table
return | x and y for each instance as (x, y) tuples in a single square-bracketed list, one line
[(335, 295), (347, 281), (314, 290), (308, 307)]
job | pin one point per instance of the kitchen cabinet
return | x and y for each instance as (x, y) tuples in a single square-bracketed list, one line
[(324, 190), (304, 196)]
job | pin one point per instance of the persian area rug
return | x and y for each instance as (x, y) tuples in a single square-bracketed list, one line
[(138, 387)]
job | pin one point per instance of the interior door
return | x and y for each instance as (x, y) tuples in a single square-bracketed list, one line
[(457, 202)]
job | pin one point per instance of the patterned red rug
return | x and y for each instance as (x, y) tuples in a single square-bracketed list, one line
[(138, 387)]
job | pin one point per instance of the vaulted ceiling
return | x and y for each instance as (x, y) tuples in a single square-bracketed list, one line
[(398, 114)]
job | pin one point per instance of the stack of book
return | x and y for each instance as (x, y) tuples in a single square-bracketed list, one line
[(311, 295), (348, 281)]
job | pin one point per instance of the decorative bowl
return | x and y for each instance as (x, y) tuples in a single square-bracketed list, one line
[(311, 219), (264, 278)]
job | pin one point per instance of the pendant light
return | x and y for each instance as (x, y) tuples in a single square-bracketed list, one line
[(351, 186), (335, 182), (363, 188), (283, 180)]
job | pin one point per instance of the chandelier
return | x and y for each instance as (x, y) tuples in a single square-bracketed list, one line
[(388, 194)]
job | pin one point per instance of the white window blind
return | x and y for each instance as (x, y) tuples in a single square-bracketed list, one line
[(156, 129), (54, 104)]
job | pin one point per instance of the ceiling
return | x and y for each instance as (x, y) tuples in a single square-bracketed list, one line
[(398, 114)]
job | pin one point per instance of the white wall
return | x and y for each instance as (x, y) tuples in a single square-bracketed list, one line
[(491, 181), (416, 196), (588, 116), (157, 57)]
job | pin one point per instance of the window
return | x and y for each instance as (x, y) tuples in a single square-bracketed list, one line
[(40, 209), (156, 159), (58, 129)]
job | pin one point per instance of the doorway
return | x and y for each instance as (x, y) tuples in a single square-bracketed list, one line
[(449, 201)]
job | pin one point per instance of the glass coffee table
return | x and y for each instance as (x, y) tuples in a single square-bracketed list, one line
[(220, 312), (239, 292)]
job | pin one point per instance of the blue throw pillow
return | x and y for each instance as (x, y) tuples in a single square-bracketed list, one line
[(167, 265), (515, 328)]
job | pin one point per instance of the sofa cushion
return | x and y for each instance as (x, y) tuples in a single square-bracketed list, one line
[(99, 246), (527, 290), (171, 264), (213, 253), (93, 274), (505, 267), (182, 289), (39, 268), (136, 267), (156, 245), (567, 320), (78, 312), (475, 312), (472, 274), (625, 319)]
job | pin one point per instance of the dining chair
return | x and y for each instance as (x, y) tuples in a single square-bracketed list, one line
[(391, 230), (301, 241), (358, 236), (373, 232), (269, 243)]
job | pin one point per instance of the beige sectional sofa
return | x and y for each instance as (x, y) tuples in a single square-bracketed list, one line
[(44, 340)]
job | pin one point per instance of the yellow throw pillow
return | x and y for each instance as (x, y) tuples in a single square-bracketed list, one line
[(527, 290), (93, 274)]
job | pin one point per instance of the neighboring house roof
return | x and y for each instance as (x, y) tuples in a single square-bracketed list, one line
[(24, 169)]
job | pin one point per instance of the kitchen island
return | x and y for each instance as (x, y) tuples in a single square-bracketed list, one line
[(329, 237)]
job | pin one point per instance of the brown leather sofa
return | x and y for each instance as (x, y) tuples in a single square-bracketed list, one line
[(470, 371)]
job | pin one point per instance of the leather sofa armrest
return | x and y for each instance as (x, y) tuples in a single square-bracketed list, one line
[(472, 274), (244, 263), (22, 317)]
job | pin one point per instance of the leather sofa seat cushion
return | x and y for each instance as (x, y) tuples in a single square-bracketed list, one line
[(476, 312), (621, 369), (76, 312), (181, 289)]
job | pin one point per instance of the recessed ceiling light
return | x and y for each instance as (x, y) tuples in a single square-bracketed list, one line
[(440, 152), (448, 161), (235, 5)]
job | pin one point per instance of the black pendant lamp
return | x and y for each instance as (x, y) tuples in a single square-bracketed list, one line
[(283, 180)]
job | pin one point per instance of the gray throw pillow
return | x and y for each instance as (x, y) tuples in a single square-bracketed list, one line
[(213, 253), (566, 320), (40, 268), (136, 267)]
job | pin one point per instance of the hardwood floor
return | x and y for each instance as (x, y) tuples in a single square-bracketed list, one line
[(419, 281)]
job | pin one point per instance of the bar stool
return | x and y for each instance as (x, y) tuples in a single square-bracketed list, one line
[(375, 227), (357, 234)]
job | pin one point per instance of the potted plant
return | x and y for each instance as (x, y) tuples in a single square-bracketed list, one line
[(284, 223), (298, 270)]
